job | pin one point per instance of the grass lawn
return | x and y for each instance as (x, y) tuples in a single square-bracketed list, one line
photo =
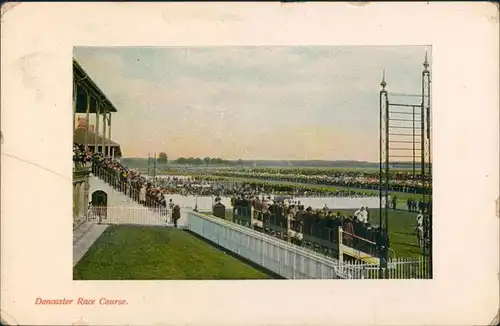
[(145, 253), (401, 225)]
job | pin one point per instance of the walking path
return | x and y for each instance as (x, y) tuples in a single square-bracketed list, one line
[(84, 237)]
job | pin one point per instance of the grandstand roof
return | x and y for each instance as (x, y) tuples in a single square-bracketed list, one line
[(86, 84)]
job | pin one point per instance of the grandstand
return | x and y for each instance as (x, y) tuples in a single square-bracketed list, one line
[(88, 99)]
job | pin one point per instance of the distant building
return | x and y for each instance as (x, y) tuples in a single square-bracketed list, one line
[(79, 138), (81, 124)]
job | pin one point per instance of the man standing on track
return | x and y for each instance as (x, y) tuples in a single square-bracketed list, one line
[(176, 214)]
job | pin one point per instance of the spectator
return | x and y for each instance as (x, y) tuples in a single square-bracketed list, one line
[(176, 214), (142, 195), (361, 215), (348, 232)]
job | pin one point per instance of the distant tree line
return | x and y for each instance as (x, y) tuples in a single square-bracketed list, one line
[(324, 163), (203, 161), (162, 158)]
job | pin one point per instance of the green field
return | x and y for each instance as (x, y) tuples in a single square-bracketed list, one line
[(145, 253), (401, 225)]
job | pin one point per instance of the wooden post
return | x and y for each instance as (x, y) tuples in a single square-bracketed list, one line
[(288, 233), (341, 252)]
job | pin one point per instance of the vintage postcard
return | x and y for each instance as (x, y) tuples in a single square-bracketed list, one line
[(271, 160), (210, 156)]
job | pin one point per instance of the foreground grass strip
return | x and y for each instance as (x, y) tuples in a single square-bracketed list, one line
[(144, 253)]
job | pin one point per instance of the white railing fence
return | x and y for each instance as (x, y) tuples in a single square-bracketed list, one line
[(278, 256), (131, 215), (294, 262), (122, 186), (397, 268), (139, 210)]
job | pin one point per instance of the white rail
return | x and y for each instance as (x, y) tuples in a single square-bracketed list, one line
[(278, 256), (131, 215)]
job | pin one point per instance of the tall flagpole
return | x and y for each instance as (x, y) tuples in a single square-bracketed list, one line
[(154, 169), (149, 170)]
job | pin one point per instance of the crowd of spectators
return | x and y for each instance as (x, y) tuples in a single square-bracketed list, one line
[(419, 206), (133, 184), (399, 181), (322, 223), (80, 156), (296, 190), (153, 192), (316, 226)]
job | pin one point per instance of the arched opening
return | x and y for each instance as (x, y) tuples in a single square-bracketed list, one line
[(100, 203)]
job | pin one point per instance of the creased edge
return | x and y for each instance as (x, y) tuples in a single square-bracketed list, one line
[(359, 3), (496, 319), (493, 17), (497, 204), (7, 319), (7, 6), (80, 322)]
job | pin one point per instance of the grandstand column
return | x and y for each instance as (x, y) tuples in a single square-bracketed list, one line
[(104, 115), (76, 195), (81, 200), (86, 188), (97, 114), (110, 149), (87, 116), (74, 105)]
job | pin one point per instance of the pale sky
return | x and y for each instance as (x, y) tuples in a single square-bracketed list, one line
[(290, 103)]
